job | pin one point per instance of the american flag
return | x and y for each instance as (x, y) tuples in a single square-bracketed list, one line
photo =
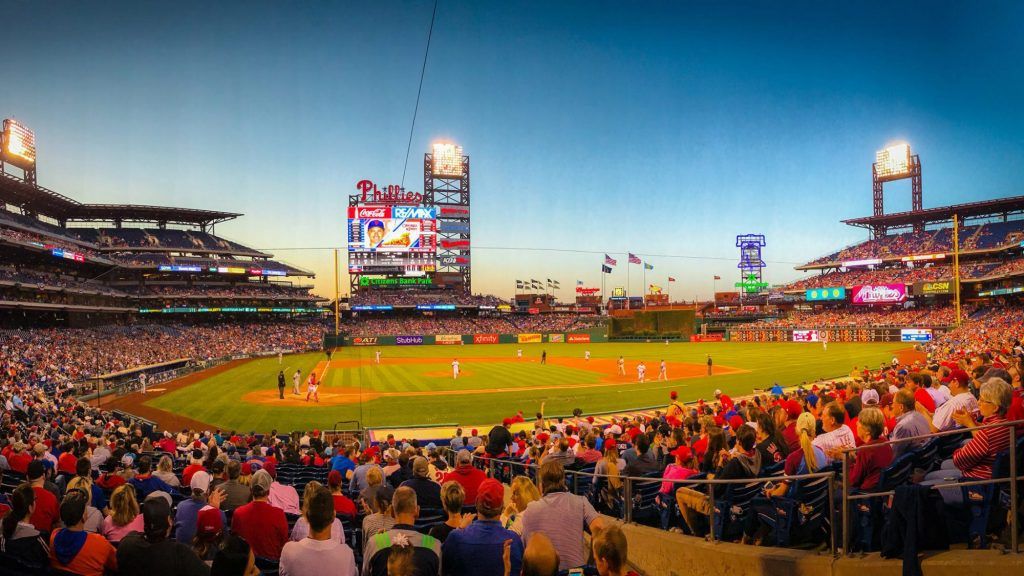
[(671, 279), (718, 277), (633, 258), (609, 260)]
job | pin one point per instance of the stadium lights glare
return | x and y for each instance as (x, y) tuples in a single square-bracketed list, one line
[(447, 160), (19, 144), (893, 161)]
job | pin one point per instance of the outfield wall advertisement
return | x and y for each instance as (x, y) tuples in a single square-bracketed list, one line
[(578, 338), (486, 338), (595, 335), (556, 338), (414, 340), (448, 339), (530, 338)]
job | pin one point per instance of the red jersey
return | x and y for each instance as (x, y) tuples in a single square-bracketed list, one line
[(263, 526)]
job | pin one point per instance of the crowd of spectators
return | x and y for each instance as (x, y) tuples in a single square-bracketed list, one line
[(909, 275), (236, 290), (412, 297), (445, 324), (976, 237), (866, 317)]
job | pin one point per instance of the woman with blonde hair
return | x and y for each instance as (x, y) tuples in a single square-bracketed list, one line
[(610, 468), (452, 498), (93, 517), (123, 516), (808, 459), (524, 491), (165, 471)]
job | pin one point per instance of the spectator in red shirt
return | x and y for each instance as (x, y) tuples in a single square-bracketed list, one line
[(47, 511), (467, 475), (195, 466), (727, 403), (876, 453), (263, 526), (342, 504), (19, 458), (68, 460)]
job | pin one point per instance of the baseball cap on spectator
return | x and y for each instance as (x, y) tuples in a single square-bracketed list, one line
[(609, 443), (869, 397), (812, 400), (885, 401), (159, 494), (271, 468), (155, 515), (960, 376), (506, 422), (464, 457), (334, 479), (261, 479), (420, 467), (209, 522), (431, 447), (473, 432), (682, 452), (793, 409), (490, 495), (200, 481), (735, 421)]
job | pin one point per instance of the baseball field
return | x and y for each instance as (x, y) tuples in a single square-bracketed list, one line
[(414, 385)]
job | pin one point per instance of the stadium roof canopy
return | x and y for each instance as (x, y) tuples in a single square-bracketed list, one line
[(972, 210), (39, 200)]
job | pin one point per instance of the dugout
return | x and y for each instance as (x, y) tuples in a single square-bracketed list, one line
[(675, 324)]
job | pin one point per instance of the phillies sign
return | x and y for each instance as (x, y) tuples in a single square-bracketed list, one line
[(879, 294), (393, 194), (587, 291)]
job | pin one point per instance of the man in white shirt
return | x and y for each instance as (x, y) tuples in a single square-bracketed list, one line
[(318, 554), (837, 435), (939, 391), (455, 369), (641, 371), (296, 380), (960, 399)]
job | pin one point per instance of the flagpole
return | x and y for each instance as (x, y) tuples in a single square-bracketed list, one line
[(627, 282), (642, 293)]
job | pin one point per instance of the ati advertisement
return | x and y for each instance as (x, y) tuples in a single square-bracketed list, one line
[(869, 294), (408, 340), (528, 338), (485, 338), (448, 339), (577, 338), (933, 288), (371, 341), (392, 229)]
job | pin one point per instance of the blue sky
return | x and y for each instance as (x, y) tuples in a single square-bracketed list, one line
[(657, 128)]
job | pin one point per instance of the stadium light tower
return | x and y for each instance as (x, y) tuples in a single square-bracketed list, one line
[(446, 186), (896, 162), (18, 148)]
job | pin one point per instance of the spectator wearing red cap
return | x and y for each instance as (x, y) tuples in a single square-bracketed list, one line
[(682, 468), (342, 504), (675, 410), (919, 384), (498, 440), (727, 403), (478, 548), (209, 533), (960, 399), (793, 411), (467, 475)]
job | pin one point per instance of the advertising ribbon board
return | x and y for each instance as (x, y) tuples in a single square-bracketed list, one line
[(485, 338), (915, 335), (707, 337), (578, 338), (448, 339), (365, 341), (868, 294), (835, 293), (528, 338), (556, 337), (408, 340)]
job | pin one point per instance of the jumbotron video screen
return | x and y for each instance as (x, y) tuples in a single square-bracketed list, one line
[(391, 239)]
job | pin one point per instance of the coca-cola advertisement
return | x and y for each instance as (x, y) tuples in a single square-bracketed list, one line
[(868, 294)]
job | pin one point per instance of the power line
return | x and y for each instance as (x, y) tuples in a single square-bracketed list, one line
[(562, 250), (416, 109)]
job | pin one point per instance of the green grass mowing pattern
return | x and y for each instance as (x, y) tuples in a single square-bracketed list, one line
[(218, 399)]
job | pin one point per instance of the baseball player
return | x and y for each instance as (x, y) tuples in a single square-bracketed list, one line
[(586, 355), (663, 371), (311, 388), (376, 354), (622, 366), (296, 381), (455, 369), (641, 372)]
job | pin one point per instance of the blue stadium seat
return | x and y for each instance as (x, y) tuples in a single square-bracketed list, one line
[(729, 511)]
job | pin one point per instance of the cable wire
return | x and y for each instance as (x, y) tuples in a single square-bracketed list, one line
[(416, 109)]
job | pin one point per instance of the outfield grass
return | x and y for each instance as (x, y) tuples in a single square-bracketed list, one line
[(219, 400)]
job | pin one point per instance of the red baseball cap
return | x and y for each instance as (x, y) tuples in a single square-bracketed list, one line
[(609, 443), (334, 478), (793, 408), (682, 452), (735, 421), (507, 422), (209, 522), (491, 494), (673, 395), (960, 376)]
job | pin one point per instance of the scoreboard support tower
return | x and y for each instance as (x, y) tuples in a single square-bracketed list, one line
[(448, 189)]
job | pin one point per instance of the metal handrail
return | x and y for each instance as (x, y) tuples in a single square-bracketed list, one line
[(1012, 478), (847, 497)]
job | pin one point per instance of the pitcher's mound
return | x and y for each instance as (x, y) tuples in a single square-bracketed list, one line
[(328, 397)]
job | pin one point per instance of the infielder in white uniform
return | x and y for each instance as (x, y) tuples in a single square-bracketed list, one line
[(586, 355), (455, 369), (377, 356), (622, 366), (296, 381), (641, 371), (663, 371)]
